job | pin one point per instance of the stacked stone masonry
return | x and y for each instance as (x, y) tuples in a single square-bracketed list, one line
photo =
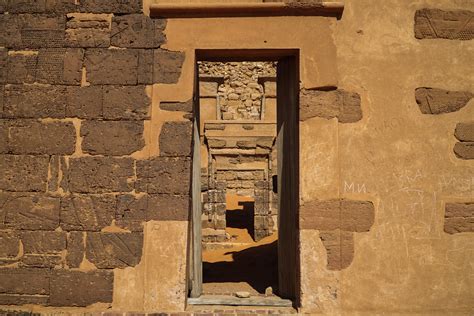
[(73, 110)]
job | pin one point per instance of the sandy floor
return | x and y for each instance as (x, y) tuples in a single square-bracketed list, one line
[(243, 265)]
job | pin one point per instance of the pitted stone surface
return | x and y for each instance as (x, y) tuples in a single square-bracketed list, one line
[(127, 102), (167, 66), (111, 66), (174, 175), (464, 150), (84, 102), (165, 207), (80, 212), (75, 249), (465, 131), (176, 139), (131, 212), (439, 101), (23, 173), (137, 31)]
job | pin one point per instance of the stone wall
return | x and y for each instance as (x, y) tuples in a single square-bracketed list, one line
[(75, 191)]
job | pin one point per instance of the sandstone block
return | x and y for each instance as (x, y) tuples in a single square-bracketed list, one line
[(60, 66), (131, 212), (464, 150), (439, 101), (22, 67), (145, 66), (100, 175), (29, 211), (41, 6), (87, 212), (24, 282), (84, 102), (208, 89), (75, 249), (42, 249), (3, 65), (33, 137), (130, 103), (176, 139), (270, 89), (9, 244), (439, 24), (357, 216), (75, 288), (465, 132), (112, 66), (114, 250), (23, 173), (87, 30), (137, 31), (4, 137), (164, 207), (340, 104), (114, 138), (459, 218), (164, 175), (177, 106), (339, 248), (167, 66), (112, 6), (21, 101)]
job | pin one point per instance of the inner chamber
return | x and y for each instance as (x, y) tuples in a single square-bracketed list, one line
[(238, 108)]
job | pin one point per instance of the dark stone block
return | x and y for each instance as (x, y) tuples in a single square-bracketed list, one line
[(439, 101), (84, 102), (60, 66), (87, 31), (9, 244), (464, 150), (465, 132), (23, 173), (459, 218), (112, 66), (75, 249), (128, 102), (112, 6), (176, 139), (339, 248), (137, 31), (22, 67), (42, 249), (164, 175), (167, 66), (114, 250), (24, 281), (3, 66), (131, 212), (177, 106), (164, 207)]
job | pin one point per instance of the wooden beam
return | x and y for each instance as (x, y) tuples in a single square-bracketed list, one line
[(196, 10)]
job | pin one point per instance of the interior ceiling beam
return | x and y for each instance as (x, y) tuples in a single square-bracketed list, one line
[(292, 8)]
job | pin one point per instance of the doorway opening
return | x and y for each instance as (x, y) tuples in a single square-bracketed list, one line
[(245, 177)]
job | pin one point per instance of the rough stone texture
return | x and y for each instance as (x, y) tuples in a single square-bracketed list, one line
[(176, 139), (163, 207), (34, 101), (33, 137), (112, 66), (29, 211), (348, 215), (339, 248), (439, 101), (42, 249), (75, 288), (75, 249), (87, 212), (167, 66), (22, 67), (129, 103), (465, 132), (60, 66), (137, 31), (32, 284), (340, 104), (177, 106), (3, 65), (439, 24), (86, 30), (464, 150), (114, 250), (84, 102), (100, 175), (9, 244), (131, 212), (41, 6), (114, 138), (112, 6), (23, 173), (459, 218), (174, 175)]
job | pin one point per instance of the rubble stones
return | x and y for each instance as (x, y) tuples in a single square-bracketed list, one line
[(439, 101)]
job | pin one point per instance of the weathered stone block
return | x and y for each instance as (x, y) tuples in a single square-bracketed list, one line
[(112, 6), (216, 196), (22, 67), (216, 143), (164, 175), (176, 139), (177, 106), (75, 249), (33, 137), (357, 216), (75, 288), (23, 173), (9, 244), (465, 132), (29, 211), (87, 30), (145, 66), (84, 102), (137, 31), (4, 137), (439, 101), (464, 150), (41, 6), (435, 23), (60, 66), (167, 66), (112, 66), (100, 175), (339, 248), (87, 212), (114, 250), (270, 89), (163, 207), (131, 212), (459, 218), (130, 103), (24, 281), (42, 249), (3, 65), (115, 138), (340, 104), (34, 101)]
